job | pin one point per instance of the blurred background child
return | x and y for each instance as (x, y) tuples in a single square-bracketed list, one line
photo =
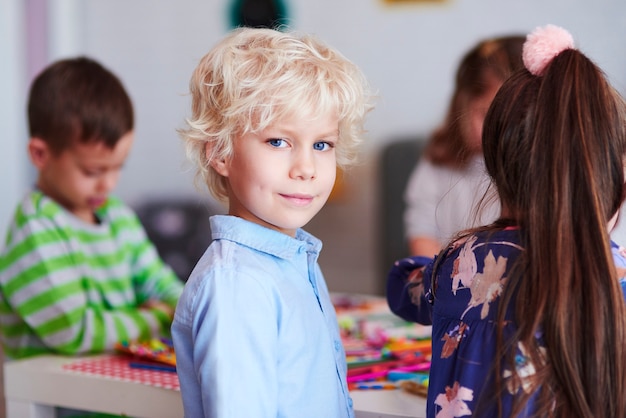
[(78, 274), (449, 182), (255, 332)]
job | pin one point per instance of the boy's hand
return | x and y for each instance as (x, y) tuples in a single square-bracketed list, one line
[(160, 306)]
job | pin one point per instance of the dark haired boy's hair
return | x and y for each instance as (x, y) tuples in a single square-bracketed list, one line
[(78, 100)]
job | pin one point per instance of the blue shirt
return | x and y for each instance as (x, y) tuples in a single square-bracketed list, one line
[(255, 331)]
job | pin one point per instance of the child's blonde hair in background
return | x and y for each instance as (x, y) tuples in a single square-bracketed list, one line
[(256, 77)]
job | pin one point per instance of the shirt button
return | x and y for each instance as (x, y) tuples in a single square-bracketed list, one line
[(350, 402), (337, 345)]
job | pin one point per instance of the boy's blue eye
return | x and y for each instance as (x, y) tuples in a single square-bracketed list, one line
[(277, 142), (322, 146)]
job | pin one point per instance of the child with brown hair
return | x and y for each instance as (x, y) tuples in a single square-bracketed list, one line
[(78, 273), (448, 184), (528, 312)]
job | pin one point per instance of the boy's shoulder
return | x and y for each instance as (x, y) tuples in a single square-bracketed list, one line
[(36, 204), (33, 214)]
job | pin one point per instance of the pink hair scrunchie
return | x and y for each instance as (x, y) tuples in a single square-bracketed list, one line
[(542, 45)]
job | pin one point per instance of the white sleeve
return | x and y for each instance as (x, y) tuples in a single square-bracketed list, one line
[(422, 196)]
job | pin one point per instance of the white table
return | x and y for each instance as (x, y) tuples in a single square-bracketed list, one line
[(387, 404), (33, 387)]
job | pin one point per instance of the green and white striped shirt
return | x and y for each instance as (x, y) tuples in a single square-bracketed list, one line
[(70, 287)]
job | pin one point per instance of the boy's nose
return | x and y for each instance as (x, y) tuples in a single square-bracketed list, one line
[(303, 166), (108, 181)]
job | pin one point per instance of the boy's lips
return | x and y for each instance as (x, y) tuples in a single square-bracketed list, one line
[(96, 202), (298, 199)]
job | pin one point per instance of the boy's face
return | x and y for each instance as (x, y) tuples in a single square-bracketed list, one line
[(281, 177), (81, 177)]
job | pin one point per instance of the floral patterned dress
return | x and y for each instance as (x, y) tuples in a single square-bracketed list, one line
[(470, 278)]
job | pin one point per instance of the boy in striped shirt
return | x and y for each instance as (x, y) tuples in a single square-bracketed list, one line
[(78, 273)]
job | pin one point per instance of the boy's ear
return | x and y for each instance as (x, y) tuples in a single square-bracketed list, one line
[(39, 152), (219, 165)]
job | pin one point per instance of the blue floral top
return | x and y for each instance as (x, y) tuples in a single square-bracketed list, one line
[(469, 278)]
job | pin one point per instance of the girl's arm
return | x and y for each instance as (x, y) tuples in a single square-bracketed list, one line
[(406, 290)]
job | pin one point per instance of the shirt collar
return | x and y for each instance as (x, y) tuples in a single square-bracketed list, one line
[(263, 239)]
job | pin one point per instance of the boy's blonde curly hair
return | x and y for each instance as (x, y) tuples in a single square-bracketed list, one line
[(255, 77)]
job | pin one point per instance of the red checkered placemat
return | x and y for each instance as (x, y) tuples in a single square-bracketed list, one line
[(118, 368)]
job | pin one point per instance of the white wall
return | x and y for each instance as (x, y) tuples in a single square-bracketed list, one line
[(12, 123), (409, 53)]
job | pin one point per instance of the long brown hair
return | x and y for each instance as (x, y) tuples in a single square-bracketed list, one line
[(554, 146), (490, 61)]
